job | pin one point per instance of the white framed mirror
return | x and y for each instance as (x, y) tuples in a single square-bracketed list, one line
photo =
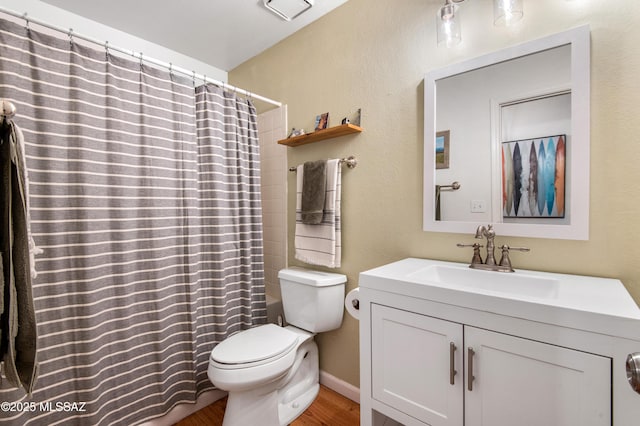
[(514, 128)]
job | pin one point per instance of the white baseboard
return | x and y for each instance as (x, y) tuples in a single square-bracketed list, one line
[(343, 388)]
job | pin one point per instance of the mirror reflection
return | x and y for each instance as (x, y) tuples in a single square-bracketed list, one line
[(511, 130)]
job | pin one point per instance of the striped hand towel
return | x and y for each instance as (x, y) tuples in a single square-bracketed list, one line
[(321, 244)]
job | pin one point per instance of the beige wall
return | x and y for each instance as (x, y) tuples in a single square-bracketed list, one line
[(374, 55)]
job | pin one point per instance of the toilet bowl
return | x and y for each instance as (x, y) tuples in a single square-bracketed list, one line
[(272, 372)]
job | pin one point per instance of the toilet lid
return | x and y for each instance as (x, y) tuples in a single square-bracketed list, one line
[(255, 344)]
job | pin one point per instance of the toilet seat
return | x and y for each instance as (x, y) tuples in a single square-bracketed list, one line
[(253, 357), (253, 347)]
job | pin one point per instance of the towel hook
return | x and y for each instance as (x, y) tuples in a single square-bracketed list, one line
[(6, 114), (8, 109)]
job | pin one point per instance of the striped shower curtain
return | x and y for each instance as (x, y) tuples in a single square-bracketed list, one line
[(145, 200)]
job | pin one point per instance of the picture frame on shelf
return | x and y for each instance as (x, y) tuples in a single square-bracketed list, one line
[(322, 121)]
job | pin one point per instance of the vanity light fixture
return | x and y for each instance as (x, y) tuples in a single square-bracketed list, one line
[(448, 24), (288, 9), (506, 12)]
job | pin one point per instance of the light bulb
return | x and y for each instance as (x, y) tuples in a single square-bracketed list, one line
[(506, 12)]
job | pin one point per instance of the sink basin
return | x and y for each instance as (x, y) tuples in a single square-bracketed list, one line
[(594, 304), (513, 283)]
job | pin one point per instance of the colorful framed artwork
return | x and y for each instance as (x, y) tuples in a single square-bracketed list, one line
[(533, 177), (442, 149)]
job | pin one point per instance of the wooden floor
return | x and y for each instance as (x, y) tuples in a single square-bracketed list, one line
[(329, 408)]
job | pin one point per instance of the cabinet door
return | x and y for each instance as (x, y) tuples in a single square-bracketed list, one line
[(527, 383), (412, 360)]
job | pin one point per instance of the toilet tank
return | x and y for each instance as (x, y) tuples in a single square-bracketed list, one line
[(312, 300)]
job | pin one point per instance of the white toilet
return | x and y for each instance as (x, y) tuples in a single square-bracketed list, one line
[(272, 372)]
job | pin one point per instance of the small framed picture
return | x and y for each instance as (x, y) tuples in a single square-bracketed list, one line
[(322, 121), (442, 150)]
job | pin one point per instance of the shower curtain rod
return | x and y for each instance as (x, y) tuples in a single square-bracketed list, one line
[(140, 56)]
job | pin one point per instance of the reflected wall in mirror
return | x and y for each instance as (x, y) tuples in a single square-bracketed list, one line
[(505, 113)]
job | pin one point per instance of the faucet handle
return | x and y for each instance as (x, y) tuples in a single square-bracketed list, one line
[(477, 259), (505, 261), (524, 249)]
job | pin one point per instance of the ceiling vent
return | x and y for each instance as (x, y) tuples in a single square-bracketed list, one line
[(288, 9)]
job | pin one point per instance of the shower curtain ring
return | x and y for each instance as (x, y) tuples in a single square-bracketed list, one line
[(26, 21), (70, 36), (170, 69), (194, 78), (106, 49), (141, 61)]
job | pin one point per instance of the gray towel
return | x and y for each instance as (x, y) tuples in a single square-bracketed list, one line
[(18, 344), (321, 244), (313, 191)]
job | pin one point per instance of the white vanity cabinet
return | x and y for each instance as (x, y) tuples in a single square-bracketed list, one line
[(421, 367), (433, 354), (413, 358)]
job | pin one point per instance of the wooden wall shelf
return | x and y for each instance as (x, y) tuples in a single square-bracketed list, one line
[(331, 132)]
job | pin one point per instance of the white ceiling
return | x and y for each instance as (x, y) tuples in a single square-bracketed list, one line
[(221, 33)]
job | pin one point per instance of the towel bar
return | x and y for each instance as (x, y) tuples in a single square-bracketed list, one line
[(351, 162)]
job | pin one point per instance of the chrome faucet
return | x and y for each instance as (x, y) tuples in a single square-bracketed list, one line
[(489, 264), (489, 234)]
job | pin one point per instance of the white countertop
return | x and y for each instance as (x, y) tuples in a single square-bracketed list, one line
[(593, 304)]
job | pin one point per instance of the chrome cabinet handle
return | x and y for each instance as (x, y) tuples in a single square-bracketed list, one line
[(452, 371), (470, 378)]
